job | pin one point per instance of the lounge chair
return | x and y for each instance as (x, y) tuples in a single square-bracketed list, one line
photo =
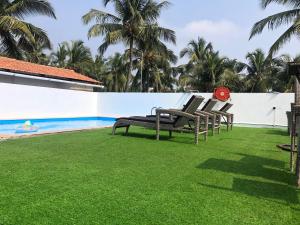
[(181, 122), (214, 118), (227, 117)]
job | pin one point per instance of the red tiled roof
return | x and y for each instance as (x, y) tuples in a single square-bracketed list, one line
[(28, 68)]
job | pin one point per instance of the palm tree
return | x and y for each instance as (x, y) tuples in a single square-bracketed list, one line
[(232, 76), (259, 69), (204, 67), (281, 80), (74, 55), (79, 56), (214, 67), (98, 69), (37, 54), (59, 58), (190, 73), (115, 78), (128, 25), (154, 60), (16, 35), (289, 17), (196, 50)]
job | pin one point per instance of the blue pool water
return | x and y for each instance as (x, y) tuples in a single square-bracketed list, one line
[(9, 127)]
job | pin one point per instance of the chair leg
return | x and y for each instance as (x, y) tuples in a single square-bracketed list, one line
[(114, 130), (157, 126), (206, 127), (197, 126), (228, 122), (231, 121), (219, 123), (213, 125), (127, 129)]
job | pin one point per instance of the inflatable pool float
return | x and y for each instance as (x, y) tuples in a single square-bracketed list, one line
[(27, 127)]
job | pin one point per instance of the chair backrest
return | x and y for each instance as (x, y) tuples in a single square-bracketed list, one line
[(209, 105), (226, 107), (191, 107)]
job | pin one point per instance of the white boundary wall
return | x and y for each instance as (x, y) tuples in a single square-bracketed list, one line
[(22, 102), (29, 102), (256, 109)]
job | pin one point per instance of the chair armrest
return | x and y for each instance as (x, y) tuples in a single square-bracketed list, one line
[(175, 112), (222, 113), (204, 113)]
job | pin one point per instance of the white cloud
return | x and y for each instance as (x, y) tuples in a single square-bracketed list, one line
[(225, 35), (209, 28)]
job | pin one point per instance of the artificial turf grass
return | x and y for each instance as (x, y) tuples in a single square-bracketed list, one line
[(96, 178)]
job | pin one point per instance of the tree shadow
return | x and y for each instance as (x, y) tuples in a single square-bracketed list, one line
[(259, 189), (280, 132), (251, 166)]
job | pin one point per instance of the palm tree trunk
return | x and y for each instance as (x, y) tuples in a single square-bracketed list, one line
[(116, 82), (213, 81), (130, 64)]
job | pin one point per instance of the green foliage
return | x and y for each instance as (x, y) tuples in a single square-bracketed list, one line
[(18, 37), (92, 177), (289, 17), (133, 21), (74, 55)]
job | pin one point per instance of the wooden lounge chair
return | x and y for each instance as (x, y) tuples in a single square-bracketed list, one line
[(227, 117), (214, 118), (181, 122)]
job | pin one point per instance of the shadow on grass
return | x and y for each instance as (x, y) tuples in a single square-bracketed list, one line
[(280, 132), (256, 167), (249, 165), (259, 189), (176, 138)]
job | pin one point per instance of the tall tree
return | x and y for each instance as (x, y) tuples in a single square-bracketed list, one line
[(289, 17), (153, 61), (79, 56), (128, 25), (59, 57), (204, 68), (73, 55), (259, 69), (16, 35), (114, 77)]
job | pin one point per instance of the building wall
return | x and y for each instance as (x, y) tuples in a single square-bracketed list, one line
[(23, 101), (42, 83)]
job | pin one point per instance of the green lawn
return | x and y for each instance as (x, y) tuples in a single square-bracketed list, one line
[(95, 178)]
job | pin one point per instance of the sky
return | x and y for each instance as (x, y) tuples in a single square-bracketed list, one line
[(225, 23)]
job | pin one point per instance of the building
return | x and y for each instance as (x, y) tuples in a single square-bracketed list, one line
[(25, 73)]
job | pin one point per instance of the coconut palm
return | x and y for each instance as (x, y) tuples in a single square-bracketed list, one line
[(16, 35), (204, 68), (289, 17), (73, 55), (79, 56), (281, 80), (114, 77), (154, 58), (37, 54), (196, 50), (59, 57), (127, 26), (259, 69), (214, 67), (232, 76)]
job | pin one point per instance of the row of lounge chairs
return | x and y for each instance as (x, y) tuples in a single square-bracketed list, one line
[(188, 119)]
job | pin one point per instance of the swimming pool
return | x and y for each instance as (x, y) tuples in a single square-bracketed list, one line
[(9, 127)]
